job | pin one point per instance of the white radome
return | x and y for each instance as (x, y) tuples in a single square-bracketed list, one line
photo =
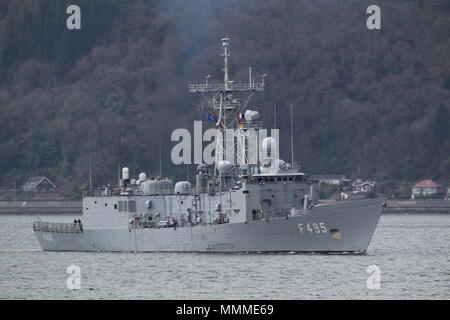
[(251, 115), (225, 168), (269, 145), (142, 176)]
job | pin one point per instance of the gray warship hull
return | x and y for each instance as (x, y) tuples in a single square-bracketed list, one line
[(345, 226), (252, 201)]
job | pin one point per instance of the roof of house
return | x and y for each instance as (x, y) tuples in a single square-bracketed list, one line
[(360, 182), (35, 181), (427, 184), (327, 176)]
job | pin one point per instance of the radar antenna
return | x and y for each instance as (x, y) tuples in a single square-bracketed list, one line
[(227, 101)]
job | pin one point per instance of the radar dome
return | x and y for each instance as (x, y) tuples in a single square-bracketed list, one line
[(251, 115), (269, 145), (142, 176), (225, 168)]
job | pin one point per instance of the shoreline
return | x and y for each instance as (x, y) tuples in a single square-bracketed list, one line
[(57, 207)]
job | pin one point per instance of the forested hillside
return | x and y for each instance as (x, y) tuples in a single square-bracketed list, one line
[(367, 103)]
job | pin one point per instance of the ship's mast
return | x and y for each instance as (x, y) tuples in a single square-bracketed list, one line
[(226, 100)]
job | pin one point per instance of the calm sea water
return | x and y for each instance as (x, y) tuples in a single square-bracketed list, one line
[(412, 252)]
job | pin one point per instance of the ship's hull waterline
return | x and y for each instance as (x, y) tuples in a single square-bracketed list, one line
[(346, 226)]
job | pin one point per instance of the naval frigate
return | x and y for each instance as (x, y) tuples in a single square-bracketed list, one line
[(262, 205)]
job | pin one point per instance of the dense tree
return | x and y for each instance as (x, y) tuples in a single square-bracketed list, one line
[(367, 103)]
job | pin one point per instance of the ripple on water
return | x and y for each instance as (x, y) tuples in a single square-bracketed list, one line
[(412, 252)]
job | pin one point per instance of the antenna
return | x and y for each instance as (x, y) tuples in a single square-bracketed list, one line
[(225, 54), (90, 170), (118, 174), (292, 138), (160, 157), (274, 116), (90, 166), (225, 100)]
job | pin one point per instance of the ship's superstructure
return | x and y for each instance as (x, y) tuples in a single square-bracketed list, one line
[(249, 201)]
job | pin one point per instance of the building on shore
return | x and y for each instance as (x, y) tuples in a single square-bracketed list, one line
[(426, 188), (360, 185), (39, 184)]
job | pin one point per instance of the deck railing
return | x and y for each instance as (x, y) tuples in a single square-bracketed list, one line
[(57, 227)]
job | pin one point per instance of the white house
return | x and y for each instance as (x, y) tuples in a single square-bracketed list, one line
[(427, 188), (39, 184), (363, 186)]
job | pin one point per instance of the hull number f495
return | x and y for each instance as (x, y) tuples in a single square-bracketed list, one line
[(312, 227)]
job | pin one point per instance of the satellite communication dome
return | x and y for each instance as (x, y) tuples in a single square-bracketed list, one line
[(251, 115), (269, 145), (225, 168), (142, 176)]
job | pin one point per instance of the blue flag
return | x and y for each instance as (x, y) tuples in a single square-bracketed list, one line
[(211, 118)]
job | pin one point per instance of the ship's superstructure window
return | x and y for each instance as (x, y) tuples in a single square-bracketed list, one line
[(115, 206), (132, 206)]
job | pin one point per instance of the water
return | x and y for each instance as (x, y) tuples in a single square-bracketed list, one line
[(412, 251)]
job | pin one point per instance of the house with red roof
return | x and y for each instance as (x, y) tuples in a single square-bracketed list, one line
[(427, 188)]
